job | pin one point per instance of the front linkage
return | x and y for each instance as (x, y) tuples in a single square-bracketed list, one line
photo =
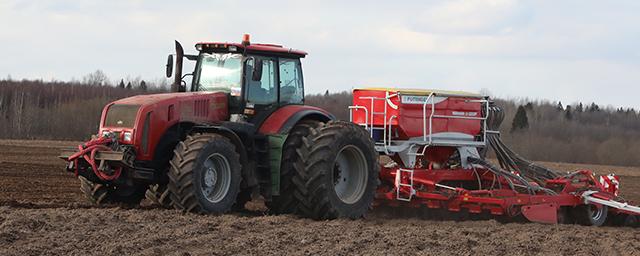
[(102, 157), (101, 165)]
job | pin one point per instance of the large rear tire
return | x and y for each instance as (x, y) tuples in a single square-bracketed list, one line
[(286, 202), (337, 172), (100, 194), (205, 174)]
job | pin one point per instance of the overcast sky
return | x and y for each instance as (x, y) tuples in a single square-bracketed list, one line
[(557, 50)]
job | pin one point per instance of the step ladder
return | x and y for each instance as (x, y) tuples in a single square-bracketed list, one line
[(399, 184)]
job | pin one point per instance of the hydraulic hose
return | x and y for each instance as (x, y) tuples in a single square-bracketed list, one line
[(507, 158)]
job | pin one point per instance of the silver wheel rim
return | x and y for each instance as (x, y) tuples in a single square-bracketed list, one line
[(216, 179), (350, 174), (596, 213)]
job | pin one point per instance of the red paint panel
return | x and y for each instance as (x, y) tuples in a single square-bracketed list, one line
[(278, 119), (409, 120), (168, 109)]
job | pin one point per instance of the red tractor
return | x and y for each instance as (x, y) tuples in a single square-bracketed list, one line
[(242, 129)]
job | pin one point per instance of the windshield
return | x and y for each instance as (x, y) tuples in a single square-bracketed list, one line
[(220, 72)]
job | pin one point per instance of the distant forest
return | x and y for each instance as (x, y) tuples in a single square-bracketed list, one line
[(538, 130), (36, 109)]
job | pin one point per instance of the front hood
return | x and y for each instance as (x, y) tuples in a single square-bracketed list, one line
[(147, 117), (150, 99)]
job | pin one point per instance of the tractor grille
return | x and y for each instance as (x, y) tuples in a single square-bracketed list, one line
[(120, 115), (201, 108)]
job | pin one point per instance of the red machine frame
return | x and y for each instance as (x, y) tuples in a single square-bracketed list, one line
[(416, 178)]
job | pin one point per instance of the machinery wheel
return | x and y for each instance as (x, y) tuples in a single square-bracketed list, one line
[(205, 174), (286, 202), (337, 172), (100, 194), (159, 195), (590, 215)]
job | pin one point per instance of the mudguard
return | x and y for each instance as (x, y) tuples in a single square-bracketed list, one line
[(282, 120), (277, 126)]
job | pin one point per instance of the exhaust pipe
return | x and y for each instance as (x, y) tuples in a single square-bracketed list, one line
[(177, 83)]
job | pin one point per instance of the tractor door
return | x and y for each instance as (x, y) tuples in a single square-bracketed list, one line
[(291, 83), (261, 94)]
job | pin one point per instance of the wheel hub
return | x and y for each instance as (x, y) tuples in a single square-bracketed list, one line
[(216, 178), (350, 174), (210, 177)]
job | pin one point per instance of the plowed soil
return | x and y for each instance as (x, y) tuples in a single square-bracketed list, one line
[(43, 213)]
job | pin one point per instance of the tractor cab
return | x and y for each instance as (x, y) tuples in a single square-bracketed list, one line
[(258, 78)]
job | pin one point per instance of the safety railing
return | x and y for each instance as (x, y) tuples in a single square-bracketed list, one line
[(370, 115), (428, 116)]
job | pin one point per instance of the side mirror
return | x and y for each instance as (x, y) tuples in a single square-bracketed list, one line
[(169, 70), (257, 71)]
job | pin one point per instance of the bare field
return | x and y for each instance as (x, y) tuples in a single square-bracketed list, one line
[(42, 212)]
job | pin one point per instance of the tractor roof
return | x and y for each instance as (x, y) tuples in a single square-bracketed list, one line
[(266, 49)]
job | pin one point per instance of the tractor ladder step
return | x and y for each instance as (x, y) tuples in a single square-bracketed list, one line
[(400, 184)]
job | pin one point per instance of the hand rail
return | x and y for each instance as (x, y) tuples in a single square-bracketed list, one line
[(390, 124), (424, 117), (366, 115)]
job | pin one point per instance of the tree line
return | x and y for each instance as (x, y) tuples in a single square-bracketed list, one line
[(55, 110), (536, 129)]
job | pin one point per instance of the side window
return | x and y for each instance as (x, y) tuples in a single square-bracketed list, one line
[(262, 92), (291, 88)]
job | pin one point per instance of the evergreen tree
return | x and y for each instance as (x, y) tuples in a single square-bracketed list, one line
[(143, 85), (560, 107), (567, 113), (579, 108), (520, 120), (121, 84), (129, 86), (529, 106), (630, 111)]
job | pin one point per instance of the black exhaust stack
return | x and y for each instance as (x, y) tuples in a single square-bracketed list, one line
[(177, 84)]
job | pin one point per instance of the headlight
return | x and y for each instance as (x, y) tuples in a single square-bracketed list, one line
[(105, 133), (127, 136)]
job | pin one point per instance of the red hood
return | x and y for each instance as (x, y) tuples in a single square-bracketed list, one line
[(150, 99)]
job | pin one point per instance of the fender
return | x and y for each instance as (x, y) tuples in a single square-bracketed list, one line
[(277, 126), (282, 120)]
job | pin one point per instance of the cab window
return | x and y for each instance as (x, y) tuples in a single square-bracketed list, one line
[(291, 88), (264, 91)]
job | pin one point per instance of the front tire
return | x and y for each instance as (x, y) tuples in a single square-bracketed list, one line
[(337, 172), (159, 195), (100, 194), (205, 174)]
